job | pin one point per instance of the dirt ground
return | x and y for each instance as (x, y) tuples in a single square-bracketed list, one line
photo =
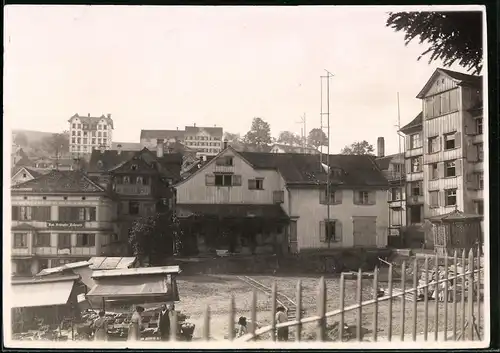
[(197, 292)]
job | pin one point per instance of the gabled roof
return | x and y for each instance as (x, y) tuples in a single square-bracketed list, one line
[(459, 77), (93, 121), (32, 172), (384, 162), (217, 131), (415, 123), (102, 162), (161, 134), (58, 181), (129, 146), (293, 149), (305, 169)]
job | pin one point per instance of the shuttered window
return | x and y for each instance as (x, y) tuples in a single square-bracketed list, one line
[(334, 199), (256, 184), (434, 198), (85, 240), (364, 197), (64, 241), (330, 231), (223, 180), (451, 197), (41, 213)]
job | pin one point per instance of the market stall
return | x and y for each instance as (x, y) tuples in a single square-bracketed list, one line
[(117, 291)]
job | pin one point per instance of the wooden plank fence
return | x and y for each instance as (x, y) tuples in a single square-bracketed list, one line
[(468, 281)]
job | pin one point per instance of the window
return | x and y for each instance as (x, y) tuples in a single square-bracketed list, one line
[(480, 151), (450, 170), (41, 213), (99, 134), (364, 197), (433, 171), (85, 141), (21, 213), (335, 197), (93, 133), (440, 104), (450, 197), (63, 241), (79, 133), (396, 215), (133, 167), (449, 141), (224, 161), (395, 167), (79, 126), (133, 208), (434, 198), (93, 141), (329, 231), (81, 214), (223, 180), (416, 188), (480, 181), (416, 164), (79, 140), (85, 240), (395, 194), (126, 179), (73, 133), (104, 134), (42, 240), (434, 144), (415, 214), (278, 196), (256, 184), (73, 125), (479, 126), (415, 141), (99, 141), (104, 141), (73, 140), (20, 240), (479, 207)]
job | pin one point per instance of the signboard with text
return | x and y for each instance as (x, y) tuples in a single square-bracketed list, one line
[(65, 225)]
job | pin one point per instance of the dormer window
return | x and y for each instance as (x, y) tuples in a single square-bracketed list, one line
[(133, 167)]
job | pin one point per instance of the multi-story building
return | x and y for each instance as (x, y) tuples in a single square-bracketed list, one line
[(392, 166), (277, 202), (88, 133), (142, 182), (444, 148), (206, 141), (57, 218)]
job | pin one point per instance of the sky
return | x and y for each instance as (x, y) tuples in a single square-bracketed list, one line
[(168, 67)]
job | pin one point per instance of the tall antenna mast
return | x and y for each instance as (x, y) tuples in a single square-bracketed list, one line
[(400, 167), (327, 114), (303, 130)]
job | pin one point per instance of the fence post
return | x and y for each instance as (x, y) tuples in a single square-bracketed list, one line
[(389, 332), (342, 296), (436, 298), (254, 313), (403, 300), (298, 312), (415, 298), (231, 319), (206, 324), (455, 283), (479, 290), (426, 297), (445, 297), (375, 306), (322, 310), (470, 296), (360, 301), (462, 314), (273, 310)]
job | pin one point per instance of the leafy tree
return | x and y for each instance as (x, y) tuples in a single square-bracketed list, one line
[(21, 139), (154, 237), (362, 147), (317, 138), (289, 138), (452, 36), (230, 137), (259, 134), (56, 144)]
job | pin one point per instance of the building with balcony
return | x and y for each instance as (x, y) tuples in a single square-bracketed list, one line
[(205, 141), (444, 149), (58, 218), (142, 182), (87, 133), (250, 202)]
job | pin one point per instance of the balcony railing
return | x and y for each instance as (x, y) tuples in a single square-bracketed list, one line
[(415, 199), (394, 176), (27, 251), (127, 189), (74, 250), (224, 168)]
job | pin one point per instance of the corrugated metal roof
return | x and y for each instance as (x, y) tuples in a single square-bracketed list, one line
[(34, 294), (137, 271)]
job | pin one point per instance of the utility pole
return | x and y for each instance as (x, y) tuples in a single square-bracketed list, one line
[(303, 134), (401, 184), (326, 114)]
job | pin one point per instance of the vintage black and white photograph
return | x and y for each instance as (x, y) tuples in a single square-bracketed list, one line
[(246, 176)]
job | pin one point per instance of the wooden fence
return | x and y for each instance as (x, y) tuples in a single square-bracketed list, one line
[(450, 287)]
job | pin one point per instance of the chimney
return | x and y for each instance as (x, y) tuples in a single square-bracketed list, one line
[(89, 115), (225, 144), (380, 147), (159, 148), (194, 125), (119, 148), (109, 116)]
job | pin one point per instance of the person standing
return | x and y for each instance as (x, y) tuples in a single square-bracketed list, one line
[(100, 327), (134, 329), (281, 317), (242, 327), (164, 323)]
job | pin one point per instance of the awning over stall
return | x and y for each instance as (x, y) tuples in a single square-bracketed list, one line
[(268, 211), (41, 292), (111, 263), (137, 285)]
